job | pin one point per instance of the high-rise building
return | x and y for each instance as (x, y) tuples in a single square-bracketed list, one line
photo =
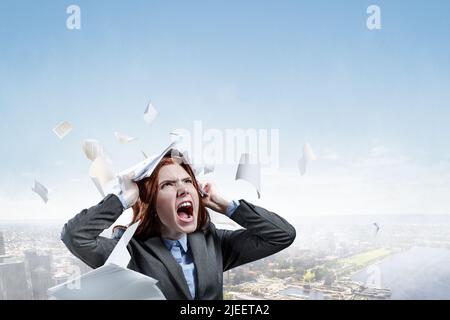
[(14, 283), (39, 269), (2, 244), (84, 268)]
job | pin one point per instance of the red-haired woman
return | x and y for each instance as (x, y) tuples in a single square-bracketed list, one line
[(175, 242)]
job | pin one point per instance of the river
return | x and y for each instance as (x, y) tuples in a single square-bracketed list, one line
[(418, 273)]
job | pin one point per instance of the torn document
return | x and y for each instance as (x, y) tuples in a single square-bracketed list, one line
[(123, 138), (112, 281), (150, 113), (249, 171), (62, 129), (101, 173), (41, 190), (93, 149), (308, 155)]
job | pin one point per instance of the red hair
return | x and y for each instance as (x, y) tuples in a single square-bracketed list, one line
[(145, 207)]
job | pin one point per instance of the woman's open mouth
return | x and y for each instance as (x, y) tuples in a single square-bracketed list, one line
[(185, 211)]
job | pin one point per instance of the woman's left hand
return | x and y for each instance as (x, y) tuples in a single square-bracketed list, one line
[(213, 200)]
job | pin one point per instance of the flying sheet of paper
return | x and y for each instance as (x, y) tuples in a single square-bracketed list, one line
[(101, 172), (41, 190), (197, 169), (62, 129), (377, 228), (120, 255), (123, 138), (111, 281), (308, 155), (221, 221), (150, 113), (209, 167), (93, 149), (249, 171)]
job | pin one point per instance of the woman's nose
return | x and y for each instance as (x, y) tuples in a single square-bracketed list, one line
[(181, 189)]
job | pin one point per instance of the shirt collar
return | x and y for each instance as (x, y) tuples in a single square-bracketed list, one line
[(183, 241)]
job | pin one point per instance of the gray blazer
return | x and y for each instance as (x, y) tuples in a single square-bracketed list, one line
[(214, 251)]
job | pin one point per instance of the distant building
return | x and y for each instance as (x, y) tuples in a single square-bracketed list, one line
[(14, 283), (5, 258), (61, 277), (2, 244), (84, 268), (39, 269)]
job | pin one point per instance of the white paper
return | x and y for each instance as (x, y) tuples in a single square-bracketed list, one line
[(101, 173), (112, 281), (120, 255), (41, 190), (150, 113), (93, 149), (221, 221), (109, 282), (145, 168), (62, 129), (250, 172), (308, 155), (176, 136), (144, 154), (208, 168), (123, 138)]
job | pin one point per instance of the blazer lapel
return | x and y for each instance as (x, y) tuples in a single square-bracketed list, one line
[(175, 271), (200, 254)]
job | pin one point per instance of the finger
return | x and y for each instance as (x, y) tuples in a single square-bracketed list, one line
[(207, 187)]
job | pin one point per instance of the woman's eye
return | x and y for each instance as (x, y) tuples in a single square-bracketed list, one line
[(188, 180), (167, 184)]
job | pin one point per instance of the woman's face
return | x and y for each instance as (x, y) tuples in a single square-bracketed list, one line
[(177, 202)]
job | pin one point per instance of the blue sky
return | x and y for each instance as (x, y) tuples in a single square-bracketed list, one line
[(373, 104)]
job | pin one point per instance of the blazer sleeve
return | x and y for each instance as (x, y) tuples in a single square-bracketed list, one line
[(81, 234), (266, 233)]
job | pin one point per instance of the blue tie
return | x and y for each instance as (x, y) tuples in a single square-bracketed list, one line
[(186, 264), (176, 252)]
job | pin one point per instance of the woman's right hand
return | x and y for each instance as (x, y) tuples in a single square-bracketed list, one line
[(129, 191)]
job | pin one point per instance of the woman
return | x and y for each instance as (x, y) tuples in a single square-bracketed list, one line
[(175, 242)]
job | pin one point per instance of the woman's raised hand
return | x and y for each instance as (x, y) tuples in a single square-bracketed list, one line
[(129, 191), (212, 199)]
